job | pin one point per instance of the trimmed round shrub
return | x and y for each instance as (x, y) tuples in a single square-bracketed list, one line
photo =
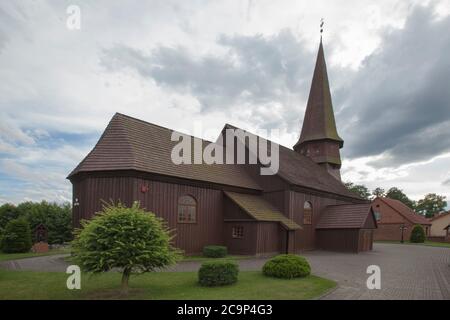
[(16, 237), (218, 273), (287, 266), (417, 234), (215, 251)]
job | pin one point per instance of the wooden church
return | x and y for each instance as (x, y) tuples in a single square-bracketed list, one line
[(303, 206)]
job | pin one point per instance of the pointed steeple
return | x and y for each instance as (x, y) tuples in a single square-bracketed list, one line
[(319, 138)]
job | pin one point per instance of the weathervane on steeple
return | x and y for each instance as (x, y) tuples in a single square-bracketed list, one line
[(322, 22)]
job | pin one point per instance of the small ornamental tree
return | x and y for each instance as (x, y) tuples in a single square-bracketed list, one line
[(16, 237), (417, 234), (130, 239)]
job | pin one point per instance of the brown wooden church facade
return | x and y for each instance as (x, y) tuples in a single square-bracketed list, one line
[(303, 206)]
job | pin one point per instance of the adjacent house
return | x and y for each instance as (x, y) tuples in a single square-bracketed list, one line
[(394, 218), (303, 206), (440, 226)]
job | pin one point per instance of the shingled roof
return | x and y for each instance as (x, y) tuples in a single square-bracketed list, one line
[(132, 144), (319, 122), (260, 209), (302, 171), (345, 216), (405, 211)]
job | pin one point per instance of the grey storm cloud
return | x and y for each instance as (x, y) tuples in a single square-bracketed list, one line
[(3, 40), (255, 69), (11, 22), (4, 21), (398, 102)]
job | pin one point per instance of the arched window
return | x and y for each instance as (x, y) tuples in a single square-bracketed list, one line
[(187, 209), (307, 213)]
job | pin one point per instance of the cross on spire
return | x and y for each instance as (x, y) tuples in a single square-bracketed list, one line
[(322, 22)]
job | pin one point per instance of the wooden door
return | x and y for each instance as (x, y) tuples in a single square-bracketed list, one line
[(366, 240)]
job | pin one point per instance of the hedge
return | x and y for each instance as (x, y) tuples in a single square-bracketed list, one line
[(417, 234), (287, 266), (218, 273), (215, 251)]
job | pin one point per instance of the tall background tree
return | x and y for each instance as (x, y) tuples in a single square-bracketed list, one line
[(379, 192), (16, 236), (431, 204), (397, 194), (56, 217), (359, 189), (8, 212)]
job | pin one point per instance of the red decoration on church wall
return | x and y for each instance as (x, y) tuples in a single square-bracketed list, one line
[(144, 188)]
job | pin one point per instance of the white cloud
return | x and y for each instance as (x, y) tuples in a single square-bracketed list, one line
[(10, 132), (54, 85)]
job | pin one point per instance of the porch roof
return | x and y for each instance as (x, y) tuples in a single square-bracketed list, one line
[(260, 209)]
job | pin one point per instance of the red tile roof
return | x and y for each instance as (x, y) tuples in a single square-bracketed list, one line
[(345, 216), (441, 215), (405, 211)]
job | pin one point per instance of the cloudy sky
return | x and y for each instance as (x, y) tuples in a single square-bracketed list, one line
[(184, 64)]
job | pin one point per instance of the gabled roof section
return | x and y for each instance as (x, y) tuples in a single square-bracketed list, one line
[(442, 215), (261, 210), (346, 216), (319, 122), (113, 150), (133, 144), (300, 170), (405, 211)]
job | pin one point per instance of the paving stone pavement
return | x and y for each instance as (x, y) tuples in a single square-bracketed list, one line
[(407, 271)]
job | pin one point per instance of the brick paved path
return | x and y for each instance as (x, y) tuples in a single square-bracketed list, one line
[(407, 271)]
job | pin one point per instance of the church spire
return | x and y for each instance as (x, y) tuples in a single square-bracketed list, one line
[(319, 139)]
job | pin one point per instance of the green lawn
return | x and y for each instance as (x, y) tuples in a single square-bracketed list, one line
[(15, 256), (426, 243), (162, 285)]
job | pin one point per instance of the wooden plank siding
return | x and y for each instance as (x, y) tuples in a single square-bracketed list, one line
[(269, 238), (216, 214), (346, 240), (245, 245), (305, 239), (162, 199), (365, 240), (92, 191)]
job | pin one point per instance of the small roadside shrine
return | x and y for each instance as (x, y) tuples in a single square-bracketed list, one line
[(40, 239)]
